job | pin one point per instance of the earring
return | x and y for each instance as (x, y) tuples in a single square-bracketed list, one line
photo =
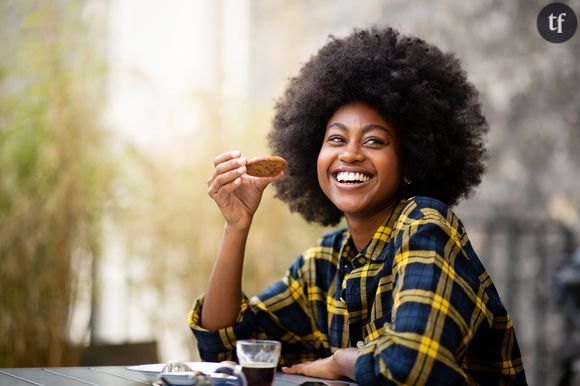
[(407, 181)]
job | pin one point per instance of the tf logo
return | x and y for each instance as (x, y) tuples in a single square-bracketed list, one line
[(557, 22)]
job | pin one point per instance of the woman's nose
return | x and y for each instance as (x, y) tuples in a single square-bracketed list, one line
[(351, 153)]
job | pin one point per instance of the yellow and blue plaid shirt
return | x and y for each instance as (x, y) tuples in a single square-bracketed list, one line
[(416, 301)]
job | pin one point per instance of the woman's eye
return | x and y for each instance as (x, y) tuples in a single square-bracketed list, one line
[(335, 139), (374, 141)]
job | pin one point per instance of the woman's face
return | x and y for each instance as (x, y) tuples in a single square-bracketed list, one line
[(359, 164)]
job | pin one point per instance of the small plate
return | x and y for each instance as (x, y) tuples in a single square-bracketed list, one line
[(179, 378), (152, 371)]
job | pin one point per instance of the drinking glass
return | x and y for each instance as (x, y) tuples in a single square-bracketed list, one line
[(259, 359)]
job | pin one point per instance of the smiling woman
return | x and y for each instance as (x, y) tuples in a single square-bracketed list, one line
[(360, 168), (386, 131), (421, 92)]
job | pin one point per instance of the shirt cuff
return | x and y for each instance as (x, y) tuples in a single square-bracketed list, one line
[(364, 368), (220, 345)]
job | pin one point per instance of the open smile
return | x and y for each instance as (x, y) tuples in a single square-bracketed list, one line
[(351, 178)]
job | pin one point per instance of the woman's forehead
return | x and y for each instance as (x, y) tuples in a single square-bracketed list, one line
[(358, 115)]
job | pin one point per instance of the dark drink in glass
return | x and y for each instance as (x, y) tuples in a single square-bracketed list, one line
[(258, 359), (259, 374)]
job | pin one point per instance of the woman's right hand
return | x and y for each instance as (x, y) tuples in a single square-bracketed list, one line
[(236, 194)]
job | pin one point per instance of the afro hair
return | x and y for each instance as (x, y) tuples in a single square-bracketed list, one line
[(421, 91)]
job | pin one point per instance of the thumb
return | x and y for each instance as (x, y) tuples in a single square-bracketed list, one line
[(263, 182)]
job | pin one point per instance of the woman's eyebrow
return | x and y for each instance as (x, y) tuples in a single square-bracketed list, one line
[(337, 125), (365, 129), (371, 127)]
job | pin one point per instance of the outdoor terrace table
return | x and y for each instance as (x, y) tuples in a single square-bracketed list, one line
[(105, 376)]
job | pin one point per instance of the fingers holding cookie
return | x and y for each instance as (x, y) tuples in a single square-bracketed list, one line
[(236, 185), (228, 155), (227, 182), (229, 167)]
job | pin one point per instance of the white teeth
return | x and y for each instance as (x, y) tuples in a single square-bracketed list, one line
[(351, 177)]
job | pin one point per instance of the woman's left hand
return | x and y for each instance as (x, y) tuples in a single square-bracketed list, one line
[(337, 366)]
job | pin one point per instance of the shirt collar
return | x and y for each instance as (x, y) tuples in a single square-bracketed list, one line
[(376, 249)]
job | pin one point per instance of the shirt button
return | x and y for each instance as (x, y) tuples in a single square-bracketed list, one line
[(360, 344)]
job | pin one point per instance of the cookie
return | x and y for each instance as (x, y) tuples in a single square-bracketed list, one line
[(266, 166)]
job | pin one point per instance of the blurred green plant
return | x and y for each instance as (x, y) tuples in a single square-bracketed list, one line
[(60, 184), (54, 174)]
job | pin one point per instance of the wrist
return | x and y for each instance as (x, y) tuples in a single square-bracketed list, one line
[(240, 227), (344, 361)]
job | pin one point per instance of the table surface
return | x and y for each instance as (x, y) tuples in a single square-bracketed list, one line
[(106, 376)]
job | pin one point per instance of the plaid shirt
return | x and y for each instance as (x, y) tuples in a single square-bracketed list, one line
[(416, 301)]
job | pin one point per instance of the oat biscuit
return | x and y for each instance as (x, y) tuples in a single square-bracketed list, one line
[(266, 166)]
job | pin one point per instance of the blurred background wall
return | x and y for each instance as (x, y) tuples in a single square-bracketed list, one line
[(110, 115)]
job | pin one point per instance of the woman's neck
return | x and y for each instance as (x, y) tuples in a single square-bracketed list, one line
[(363, 228)]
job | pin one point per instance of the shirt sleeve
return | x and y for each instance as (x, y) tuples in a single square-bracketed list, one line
[(282, 312), (433, 309), (220, 345)]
